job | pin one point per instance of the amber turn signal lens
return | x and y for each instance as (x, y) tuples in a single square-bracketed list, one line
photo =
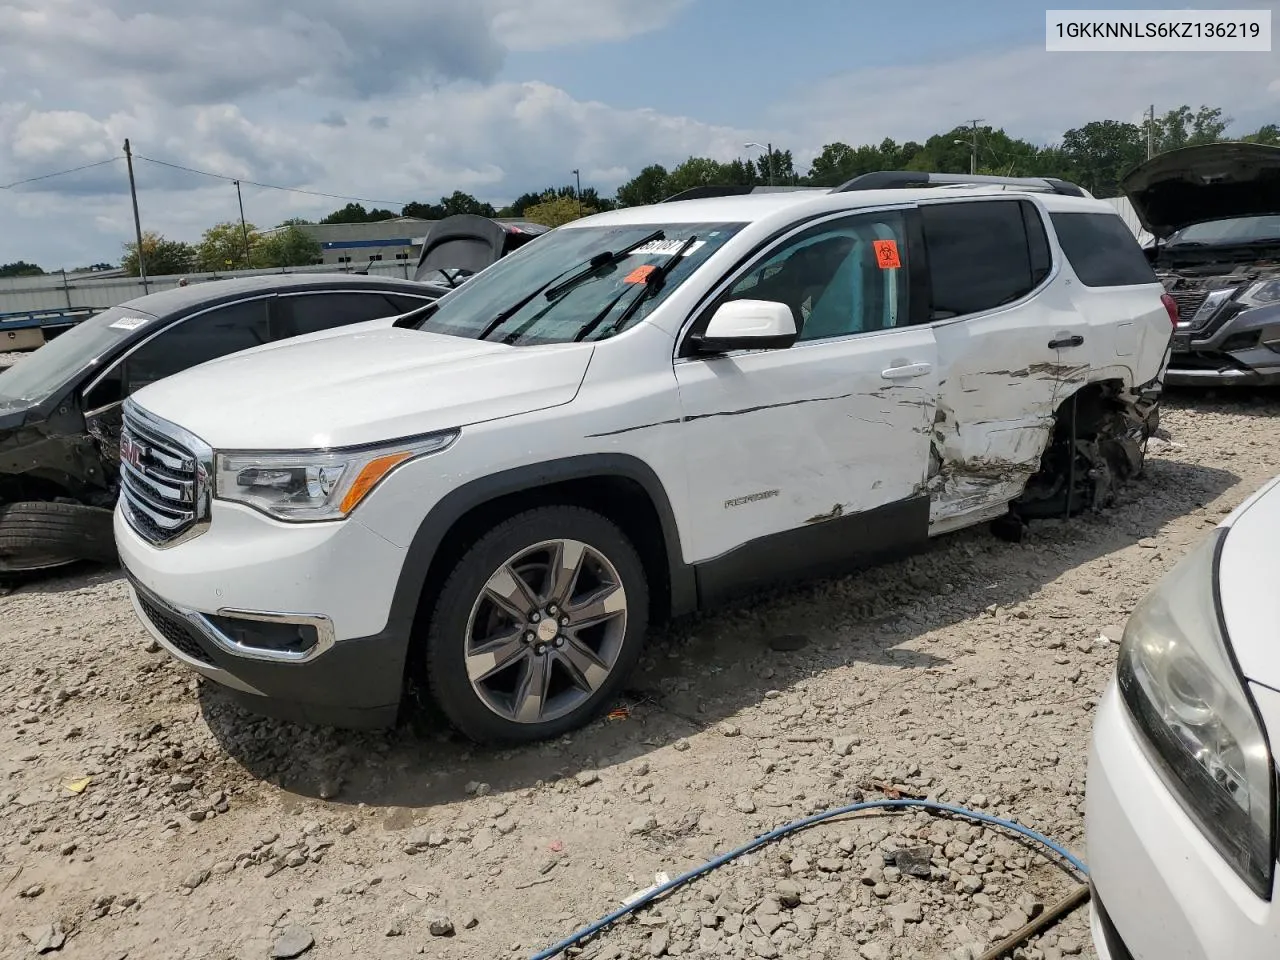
[(374, 471)]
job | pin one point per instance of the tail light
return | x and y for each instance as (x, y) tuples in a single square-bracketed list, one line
[(1171, 305)]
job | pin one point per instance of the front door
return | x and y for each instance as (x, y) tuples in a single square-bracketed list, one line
[(801, 458)]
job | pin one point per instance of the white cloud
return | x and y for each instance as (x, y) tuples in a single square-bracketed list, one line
[(547, 24), (402, 105)]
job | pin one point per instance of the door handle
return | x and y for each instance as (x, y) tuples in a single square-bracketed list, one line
[(1076, 341), (907, 371)]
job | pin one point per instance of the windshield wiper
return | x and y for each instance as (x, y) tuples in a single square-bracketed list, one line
[(652, 284), (597, 263), (519, 305)]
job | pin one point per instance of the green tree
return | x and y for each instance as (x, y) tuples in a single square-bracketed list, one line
[(1269, 134), (648, 186), (459, 203), (1183, 128), (556, 211), (222, 247), (163, 257), (286, 247), (1102, 152), (20, 268), (356, 213)]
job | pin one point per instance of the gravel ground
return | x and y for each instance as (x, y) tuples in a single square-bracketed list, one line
[(146, 816)]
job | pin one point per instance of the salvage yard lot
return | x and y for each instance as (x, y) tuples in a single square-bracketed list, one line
[(969, 674)]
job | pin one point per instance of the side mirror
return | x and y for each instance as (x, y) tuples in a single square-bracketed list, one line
[(748, 325)]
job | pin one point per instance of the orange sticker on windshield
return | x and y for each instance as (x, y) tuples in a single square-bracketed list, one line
[(639, 274), (887, 254)]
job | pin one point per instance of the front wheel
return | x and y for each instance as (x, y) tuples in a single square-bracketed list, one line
[(538, 626)]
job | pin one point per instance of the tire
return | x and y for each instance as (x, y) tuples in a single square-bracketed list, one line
[(583, 664), (35, 535)]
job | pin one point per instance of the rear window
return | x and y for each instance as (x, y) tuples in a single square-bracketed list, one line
[(1102, 250)]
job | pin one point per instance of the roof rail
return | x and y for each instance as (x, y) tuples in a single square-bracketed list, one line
[(731, 190), (903, 179)]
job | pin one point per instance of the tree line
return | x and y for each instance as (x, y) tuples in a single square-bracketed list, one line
[(1096, 155)]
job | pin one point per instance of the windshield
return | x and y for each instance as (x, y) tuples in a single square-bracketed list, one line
[(49, 368), (594, 308), (1235, 230)]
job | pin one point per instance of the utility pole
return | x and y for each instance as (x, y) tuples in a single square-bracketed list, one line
[(137, 223), (1151, 132), (244, 231), (578, 178), (973, 155), (769, 154)]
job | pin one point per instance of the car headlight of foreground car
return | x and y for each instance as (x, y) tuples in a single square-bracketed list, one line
[(1181, 686), (315, 485)]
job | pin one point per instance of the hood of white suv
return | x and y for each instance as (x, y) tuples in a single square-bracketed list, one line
[(370, 386), (1247, 585)]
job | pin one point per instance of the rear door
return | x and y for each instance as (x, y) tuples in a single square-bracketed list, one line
[(1011, 347), (800, 458), (1118, 293)]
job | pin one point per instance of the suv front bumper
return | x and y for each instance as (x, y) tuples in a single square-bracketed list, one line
[(221, 603), (1235, 347)]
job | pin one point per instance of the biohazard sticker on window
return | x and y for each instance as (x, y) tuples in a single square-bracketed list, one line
[(887, 254)]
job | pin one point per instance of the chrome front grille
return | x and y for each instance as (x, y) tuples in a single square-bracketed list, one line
[(165, 475)]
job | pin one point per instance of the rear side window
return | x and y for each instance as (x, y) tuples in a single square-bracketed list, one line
[(983, 254), (1102, 250), (313, 312)]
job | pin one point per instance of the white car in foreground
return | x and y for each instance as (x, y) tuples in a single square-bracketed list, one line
[(1182, 809)]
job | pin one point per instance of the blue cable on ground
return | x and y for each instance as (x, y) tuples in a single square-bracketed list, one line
[(760, 841)]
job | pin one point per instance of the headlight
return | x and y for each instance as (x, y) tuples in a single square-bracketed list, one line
[(1181, 687), (1262, 293), (315, 485)]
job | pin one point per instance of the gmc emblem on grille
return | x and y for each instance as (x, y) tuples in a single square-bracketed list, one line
[(131, 452)]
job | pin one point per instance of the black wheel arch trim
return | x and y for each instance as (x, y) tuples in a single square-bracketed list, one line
[(456, 504)]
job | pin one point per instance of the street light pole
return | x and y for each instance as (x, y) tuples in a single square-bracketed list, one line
[(578, 179), (768, 148), (137, 223), (244, 231)]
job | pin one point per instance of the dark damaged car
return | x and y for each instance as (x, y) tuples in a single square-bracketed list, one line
[(60, 405), (1215, 213)]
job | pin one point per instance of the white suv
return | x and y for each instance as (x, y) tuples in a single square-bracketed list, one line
[(634, 416)]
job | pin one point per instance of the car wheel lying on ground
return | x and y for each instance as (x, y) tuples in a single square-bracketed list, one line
[(1182, 792), (60, 406), (1215, 211), (662, 406)]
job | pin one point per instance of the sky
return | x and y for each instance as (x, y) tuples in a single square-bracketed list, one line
[(412, 99)]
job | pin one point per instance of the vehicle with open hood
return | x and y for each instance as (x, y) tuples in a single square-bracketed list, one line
[(1215, 213), (460, 246)]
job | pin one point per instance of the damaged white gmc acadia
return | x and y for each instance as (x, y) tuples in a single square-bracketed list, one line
[(634, 416)]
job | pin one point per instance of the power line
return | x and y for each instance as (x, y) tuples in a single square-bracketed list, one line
[(59, 173), (268, 186)]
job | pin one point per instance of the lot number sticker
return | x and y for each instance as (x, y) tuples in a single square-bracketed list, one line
[(129, 323)]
